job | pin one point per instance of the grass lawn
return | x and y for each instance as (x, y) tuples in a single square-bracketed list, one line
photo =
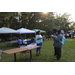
[(68, 53)]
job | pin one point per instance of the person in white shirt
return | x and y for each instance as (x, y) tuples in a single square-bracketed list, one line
[(24, 41)]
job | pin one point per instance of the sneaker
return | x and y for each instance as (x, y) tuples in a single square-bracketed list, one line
[(57, 59)]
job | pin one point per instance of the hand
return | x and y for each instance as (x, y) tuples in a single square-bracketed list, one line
[(39, 38), (54, 37)]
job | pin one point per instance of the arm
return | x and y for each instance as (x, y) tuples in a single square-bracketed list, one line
[(58, 38), (38, 38)]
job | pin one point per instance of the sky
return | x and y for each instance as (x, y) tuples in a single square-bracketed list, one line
[(72, 15)]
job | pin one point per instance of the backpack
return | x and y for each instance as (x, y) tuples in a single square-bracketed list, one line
[(63, 40)]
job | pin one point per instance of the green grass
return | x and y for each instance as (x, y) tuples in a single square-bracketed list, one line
[(47, 50)]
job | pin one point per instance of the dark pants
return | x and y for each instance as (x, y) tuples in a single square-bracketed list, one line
[(55, 51), (58, 53)]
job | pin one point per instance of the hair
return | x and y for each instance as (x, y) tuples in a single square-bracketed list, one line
[(59, 31), (37, 32), (55, 30)]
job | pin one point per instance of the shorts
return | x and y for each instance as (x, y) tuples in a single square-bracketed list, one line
[(39, 44)]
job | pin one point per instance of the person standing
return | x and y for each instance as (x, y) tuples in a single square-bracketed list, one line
[(24, 41), (19, 42), (39, 41), (55, 34), (58, 44)]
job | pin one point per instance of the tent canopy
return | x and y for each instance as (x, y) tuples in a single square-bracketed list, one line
[(5, 30), (42, 31), (24, 30)]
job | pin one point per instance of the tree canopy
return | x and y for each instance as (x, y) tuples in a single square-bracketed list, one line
[(36, 20)]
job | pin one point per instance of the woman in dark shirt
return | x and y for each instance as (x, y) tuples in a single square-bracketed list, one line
[(58, 44), (55, 34)]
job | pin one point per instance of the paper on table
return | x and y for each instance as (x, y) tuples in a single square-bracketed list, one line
[(31, 46)]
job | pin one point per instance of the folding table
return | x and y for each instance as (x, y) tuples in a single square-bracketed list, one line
[(17, 50)]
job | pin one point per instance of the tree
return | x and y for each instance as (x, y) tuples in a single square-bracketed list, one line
[(4, 17), (72, 26), (24, 19), (9, 19), (36, 20), (63, 22)]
